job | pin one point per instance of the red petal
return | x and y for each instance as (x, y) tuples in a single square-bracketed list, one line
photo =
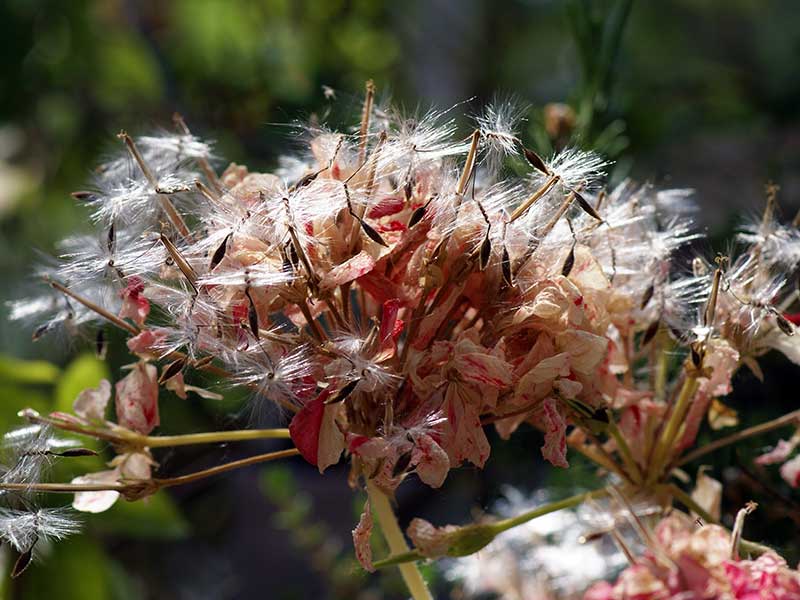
[(388, 206), (305, 426)]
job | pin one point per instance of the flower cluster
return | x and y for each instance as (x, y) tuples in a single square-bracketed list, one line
[(397, 290), (699, 562)]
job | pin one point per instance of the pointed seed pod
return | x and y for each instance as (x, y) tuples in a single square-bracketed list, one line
[(569, 262), (75, 453), (416, 216), (650, 332), (505, 265), (586, 207), (647, 296), (535, 160), (486, 252), (219, 253), (697, 357), (252, 320), (171, 370), (372, 234), (784, 324), (111, 239), (83, 195), (403, 461), (40, 331), (23, 562), (343, 393)]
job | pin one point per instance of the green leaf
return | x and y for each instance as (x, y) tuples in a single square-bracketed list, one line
[(84, 372), (27, 371), (157, 517), (13, 399), (77, 569)]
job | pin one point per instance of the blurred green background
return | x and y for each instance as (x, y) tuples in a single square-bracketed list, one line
[(683, 93)]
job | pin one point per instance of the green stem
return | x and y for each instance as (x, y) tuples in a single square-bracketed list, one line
[(397, 543), (625, 452), (689, 503), (404, 555), (674, 423), (506, 524), (116, 435), (213, 437)]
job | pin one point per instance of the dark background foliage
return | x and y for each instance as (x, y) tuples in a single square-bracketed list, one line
[(682, 93)]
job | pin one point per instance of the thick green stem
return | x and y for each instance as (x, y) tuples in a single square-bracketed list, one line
[(212, 437), (397, 543)]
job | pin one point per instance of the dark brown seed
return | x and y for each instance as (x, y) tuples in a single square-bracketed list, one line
[(373, 235), (305, 180), (172, 369), (697, 359), (201, 363), (784, 324), (600, 415), (252, 319), (486, 251), (82, 195), (111, 238), (219, 253), (569, 262), (40, 331), (591, 537), (535, 160), (587, 208), (650, 332), (75, 452), (416, 216), (343, 393), (647, 296), (293, 255), (23, 562), (505, 265), (408, 188), (676, 334), (287, 264), (402, 463), (100, 344)]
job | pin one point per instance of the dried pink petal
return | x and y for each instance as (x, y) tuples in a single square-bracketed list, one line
[(465, 438), (146, 341), (91, 403), (137, 399), (351, 269), (432, 462), (96, 502), (779, 453), (790, 471), (361, 535), (133, 465), (134, 305), (555, 434), (431, 541)]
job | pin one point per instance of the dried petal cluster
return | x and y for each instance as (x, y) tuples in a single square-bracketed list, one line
[(397, 290), (696, 562)]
